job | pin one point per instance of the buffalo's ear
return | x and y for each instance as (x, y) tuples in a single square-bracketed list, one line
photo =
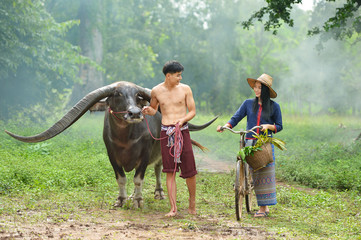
[(144, 93), (144, 96), (100, 106)]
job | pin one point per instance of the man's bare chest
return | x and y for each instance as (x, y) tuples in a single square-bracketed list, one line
[(172, 99)]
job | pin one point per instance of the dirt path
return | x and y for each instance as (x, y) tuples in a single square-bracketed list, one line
[(204, 163), (124, 224), (130, 224)]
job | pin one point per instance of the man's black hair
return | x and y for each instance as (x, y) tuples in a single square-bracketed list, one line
[(172, 67)]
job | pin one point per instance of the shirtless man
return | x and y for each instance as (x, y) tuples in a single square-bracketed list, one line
[(174, 99)]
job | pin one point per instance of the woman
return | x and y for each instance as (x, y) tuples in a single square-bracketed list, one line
[(261, 111)]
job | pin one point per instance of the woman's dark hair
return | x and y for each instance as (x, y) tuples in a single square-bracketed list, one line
[(172, 67), (267, 105)]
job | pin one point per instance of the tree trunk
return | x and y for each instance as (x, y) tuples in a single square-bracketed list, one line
[(358, 138), (91, 44)]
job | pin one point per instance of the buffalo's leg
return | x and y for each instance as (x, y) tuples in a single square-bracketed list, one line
[(138, 187), (121, 180), (158, 193), (138, 183)]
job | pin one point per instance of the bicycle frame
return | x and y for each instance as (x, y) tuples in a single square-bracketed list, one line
[(243, 181)]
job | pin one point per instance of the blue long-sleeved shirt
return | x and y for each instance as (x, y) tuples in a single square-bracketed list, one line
[(256, 119)]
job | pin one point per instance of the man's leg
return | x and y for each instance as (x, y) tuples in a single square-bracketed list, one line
[(172, 194), (191, 184)]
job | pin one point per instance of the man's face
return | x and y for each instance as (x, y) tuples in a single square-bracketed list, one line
[(174, 78)]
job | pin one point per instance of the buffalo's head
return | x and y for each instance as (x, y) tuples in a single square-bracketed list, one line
[(127, 101)]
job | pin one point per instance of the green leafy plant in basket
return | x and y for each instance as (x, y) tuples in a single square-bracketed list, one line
[(261, 140)]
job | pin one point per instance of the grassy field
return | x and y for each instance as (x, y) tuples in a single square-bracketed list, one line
[(68, 175), (322, 152)]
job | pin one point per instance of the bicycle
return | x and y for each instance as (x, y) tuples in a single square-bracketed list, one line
[(243, 182)]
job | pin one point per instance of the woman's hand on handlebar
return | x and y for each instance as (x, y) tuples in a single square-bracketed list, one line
[(221, 129), (270, 127)]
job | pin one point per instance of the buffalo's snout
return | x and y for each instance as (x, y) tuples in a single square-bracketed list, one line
[(134, 114)]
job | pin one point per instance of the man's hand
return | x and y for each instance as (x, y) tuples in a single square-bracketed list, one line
[(180, 122), (147, 110)]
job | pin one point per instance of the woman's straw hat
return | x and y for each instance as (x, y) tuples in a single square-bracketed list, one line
[(266, 80)]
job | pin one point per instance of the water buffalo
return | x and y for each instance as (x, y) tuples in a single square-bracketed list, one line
[(126, 134)]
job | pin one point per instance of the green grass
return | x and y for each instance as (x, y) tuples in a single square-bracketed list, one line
[(319, 153), (70, 174)]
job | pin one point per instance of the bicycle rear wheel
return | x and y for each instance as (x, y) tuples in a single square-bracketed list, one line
[(248, 182), (239, 188)]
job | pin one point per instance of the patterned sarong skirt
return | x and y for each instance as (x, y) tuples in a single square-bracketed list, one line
[(264, 181)]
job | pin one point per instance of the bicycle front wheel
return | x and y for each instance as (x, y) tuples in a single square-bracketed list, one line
[(248, 182), (239, 188)]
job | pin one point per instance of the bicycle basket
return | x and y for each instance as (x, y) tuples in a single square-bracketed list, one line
[(260, 158)]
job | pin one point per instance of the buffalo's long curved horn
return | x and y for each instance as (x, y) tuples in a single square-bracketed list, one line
[(193, 127), (70, 117)]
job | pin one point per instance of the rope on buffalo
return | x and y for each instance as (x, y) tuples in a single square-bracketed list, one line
[(113, 113)]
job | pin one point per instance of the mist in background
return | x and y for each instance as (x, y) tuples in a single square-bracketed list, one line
[(73, 47)]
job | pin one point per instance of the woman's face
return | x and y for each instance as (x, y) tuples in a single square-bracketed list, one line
[(257, 89)]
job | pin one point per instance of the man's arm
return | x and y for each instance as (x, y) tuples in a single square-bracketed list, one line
[(152, 108), (190, 104)]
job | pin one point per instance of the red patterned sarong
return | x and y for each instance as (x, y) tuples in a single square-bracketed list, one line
[(187, 163)]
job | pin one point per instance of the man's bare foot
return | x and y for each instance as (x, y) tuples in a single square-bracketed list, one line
[(192, 211), (171, 214), (192, 207)]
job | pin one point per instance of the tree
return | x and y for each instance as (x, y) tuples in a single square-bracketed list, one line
[(91, 45), (130, 34), (344, 24), (36, 63)]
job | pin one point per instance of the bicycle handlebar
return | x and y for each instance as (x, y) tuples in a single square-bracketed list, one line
[(242, 132)]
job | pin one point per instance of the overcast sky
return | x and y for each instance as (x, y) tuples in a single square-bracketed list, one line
[(306, 4)]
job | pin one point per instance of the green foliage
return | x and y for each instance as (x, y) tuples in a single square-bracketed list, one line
[(277, 12), (34, 56), (262, 139), (247, 151), (342, 25), (265, 138), (41, 54), (323, 155)]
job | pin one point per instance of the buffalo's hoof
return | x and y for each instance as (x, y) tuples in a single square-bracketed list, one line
[(159, 194), (120, 202), (138, 203)]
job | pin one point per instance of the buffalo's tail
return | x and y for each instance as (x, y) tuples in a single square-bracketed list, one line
[(197, 144)]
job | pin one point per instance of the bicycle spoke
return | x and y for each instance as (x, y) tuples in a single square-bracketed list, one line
[(249, 191), (239, 188)]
